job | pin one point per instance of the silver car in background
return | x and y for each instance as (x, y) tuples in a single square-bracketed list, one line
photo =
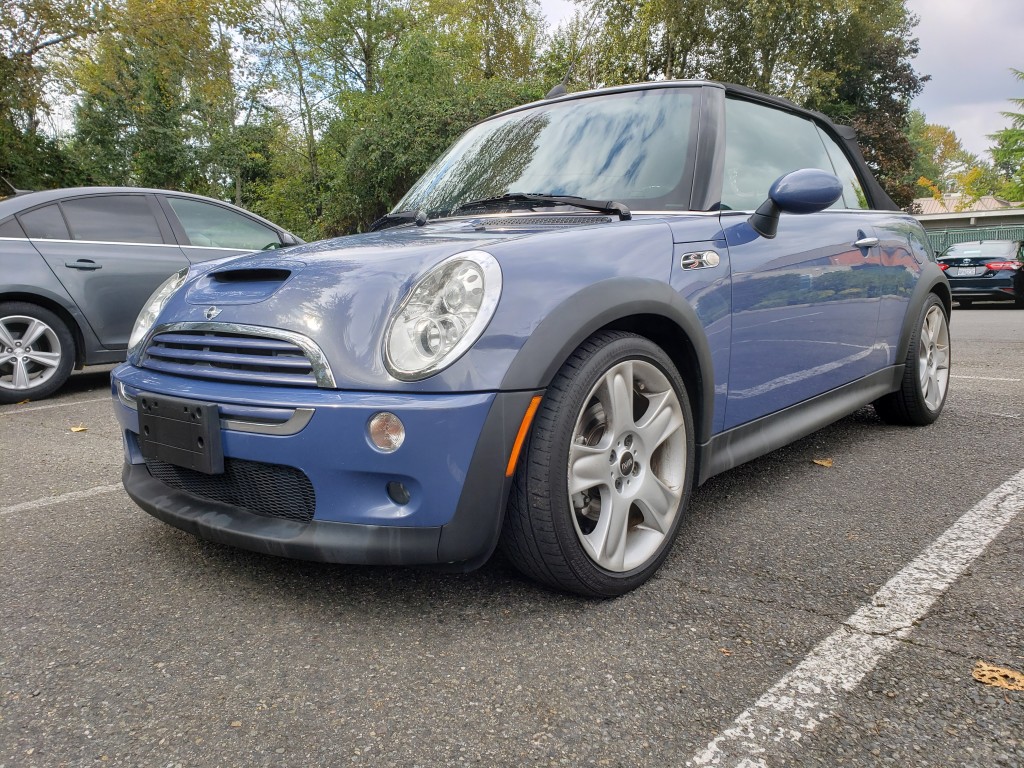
[(77, 265)]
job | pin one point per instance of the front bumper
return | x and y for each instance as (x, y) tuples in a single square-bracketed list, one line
[(452, 463)]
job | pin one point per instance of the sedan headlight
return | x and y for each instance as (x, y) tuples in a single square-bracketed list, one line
[(443, 315), (151, 309)]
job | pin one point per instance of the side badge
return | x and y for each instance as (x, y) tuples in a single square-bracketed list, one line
[(700, 260)]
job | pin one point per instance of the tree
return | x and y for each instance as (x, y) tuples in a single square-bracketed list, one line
[(33, 35), (157, 94), (1008, 152)]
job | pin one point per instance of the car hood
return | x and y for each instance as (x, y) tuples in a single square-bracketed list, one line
[(341, 293)]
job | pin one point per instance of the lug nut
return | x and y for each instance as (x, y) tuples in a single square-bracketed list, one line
[(636, 469), (629, 440), (611, 456)]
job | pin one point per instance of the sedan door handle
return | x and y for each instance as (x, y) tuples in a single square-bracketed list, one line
[(867, 242), (87, 264)]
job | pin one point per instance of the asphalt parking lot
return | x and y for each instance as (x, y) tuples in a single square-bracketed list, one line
[(126, 642)]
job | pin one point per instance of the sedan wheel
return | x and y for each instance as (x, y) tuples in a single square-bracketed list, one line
[(599, 499), (36, 352)]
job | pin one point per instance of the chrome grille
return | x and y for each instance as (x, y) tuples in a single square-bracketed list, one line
[(271, 490), (230, 357)]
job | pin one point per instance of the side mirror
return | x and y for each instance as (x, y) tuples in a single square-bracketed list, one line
[(287, 238), (805, 191)]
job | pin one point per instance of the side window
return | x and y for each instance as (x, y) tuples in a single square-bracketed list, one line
[(762, 144), (11, 228), (112, 218), (216, 227), (45, 223), (853, 192)]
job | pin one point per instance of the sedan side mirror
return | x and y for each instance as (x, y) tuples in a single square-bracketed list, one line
[(287, 238), (805, 191)]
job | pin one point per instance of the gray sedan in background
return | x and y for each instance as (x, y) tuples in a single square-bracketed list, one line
[(77, 265)]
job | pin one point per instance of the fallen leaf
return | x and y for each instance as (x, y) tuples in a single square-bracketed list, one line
[(725, 651), (998, 677), (236, 723), (80, 428), (823, 462), (23, 402)]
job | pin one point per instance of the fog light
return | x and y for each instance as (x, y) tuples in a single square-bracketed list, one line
[(386, 431), (398, 492)]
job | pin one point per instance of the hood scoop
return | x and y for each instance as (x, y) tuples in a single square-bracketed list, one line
[(241, 283), (250, 275)]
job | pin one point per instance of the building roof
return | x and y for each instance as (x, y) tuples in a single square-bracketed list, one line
[(957, 203)]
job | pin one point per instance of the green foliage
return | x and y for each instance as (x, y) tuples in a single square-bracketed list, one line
[(1008, 152), (385, 141)]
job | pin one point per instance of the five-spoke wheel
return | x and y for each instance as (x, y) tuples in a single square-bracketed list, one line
[(920, 399), (600, 495)]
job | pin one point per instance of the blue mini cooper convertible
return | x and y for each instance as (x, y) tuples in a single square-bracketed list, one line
[(587, 306)]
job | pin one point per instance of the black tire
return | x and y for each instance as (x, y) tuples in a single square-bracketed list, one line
[(53, 342), (546, 527), (914, 404)]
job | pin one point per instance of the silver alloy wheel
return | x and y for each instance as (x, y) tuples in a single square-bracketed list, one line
[(933, 357), (29, 352), (627, 464)]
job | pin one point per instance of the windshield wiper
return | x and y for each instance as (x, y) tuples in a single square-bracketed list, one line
[(608, 206), (418, 216)]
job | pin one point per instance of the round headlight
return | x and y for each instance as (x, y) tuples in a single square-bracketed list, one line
[(443, 315), (151, 309)]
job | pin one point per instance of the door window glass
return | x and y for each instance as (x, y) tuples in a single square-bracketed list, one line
[(45, 223), (11, 228), (216, 227), (112, 218), (762, 144), (853, 192)]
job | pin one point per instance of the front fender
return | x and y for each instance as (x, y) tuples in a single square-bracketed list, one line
[(613, 303)]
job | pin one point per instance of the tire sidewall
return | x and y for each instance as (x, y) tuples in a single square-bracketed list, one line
[(548, 481), (927, 415)]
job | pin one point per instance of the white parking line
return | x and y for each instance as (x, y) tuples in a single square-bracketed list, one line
[(49, 501), (16, 411), (813, 691), (981, 378)]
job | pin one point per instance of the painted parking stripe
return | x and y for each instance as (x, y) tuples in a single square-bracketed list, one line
[(50, 501), (814, 690), (981, 378), (15, 411)]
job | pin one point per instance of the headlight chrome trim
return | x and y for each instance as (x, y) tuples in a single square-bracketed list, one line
[(492, 278)]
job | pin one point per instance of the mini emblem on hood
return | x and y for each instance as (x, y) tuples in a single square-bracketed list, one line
[(211, 312)]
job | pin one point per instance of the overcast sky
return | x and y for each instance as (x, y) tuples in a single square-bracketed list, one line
[(968, 48)]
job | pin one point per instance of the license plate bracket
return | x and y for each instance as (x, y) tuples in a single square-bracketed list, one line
[(181, 432)]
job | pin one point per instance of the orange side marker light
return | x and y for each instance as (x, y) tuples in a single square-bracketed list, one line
[(524, 430)]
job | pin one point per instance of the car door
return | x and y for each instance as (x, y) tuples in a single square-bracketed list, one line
[(206, 230), (110, 252), (804, 302)]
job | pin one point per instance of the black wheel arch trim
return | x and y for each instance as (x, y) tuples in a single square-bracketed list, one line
[(928, 283), (600, 306)]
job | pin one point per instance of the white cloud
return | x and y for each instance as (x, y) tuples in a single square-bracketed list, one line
[(968, 48)]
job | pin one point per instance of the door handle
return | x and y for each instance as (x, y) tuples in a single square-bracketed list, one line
[(867, 242), (86, 264)]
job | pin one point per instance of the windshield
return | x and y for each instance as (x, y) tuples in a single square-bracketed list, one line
[(630, 147)]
